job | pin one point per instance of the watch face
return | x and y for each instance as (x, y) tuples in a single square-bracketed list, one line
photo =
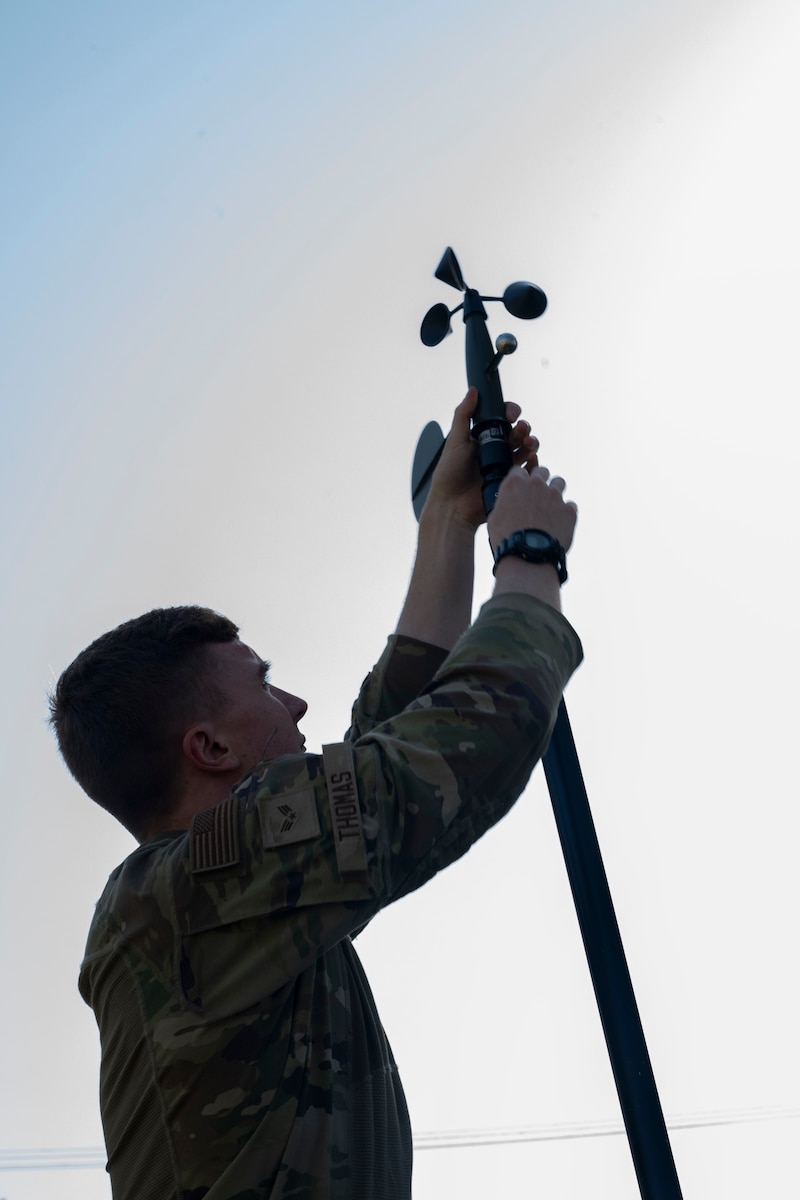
[(535, 540)]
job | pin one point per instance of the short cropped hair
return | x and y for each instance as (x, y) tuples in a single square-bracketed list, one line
[(120, 710)]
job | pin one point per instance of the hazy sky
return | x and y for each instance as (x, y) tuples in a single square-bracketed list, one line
[(219, 226)]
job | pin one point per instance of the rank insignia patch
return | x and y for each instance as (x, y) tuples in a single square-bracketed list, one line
[(214, 837), (289, 818)]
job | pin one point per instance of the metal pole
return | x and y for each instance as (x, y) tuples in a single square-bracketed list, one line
[(619, 1013)]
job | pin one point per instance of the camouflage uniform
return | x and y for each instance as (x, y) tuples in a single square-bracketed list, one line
[(243, 1058)]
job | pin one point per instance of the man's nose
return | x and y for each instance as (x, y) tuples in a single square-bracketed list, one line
[(294, 705)]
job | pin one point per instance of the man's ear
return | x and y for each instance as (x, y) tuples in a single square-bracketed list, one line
[(207, 749)]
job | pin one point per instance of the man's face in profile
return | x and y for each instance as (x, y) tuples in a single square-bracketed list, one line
[(259, 720)]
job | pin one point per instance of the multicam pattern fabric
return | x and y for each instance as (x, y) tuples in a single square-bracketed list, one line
[(243, 1058)]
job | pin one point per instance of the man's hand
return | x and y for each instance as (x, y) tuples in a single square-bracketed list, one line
[(531, 500), (456, 482), (526, 500)]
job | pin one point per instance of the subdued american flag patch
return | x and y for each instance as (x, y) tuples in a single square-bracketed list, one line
[(214, 837)]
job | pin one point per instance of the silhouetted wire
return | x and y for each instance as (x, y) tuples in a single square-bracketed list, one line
[(83, 1158)]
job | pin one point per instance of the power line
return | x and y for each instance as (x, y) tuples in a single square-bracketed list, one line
[(91, 1157), (56, 1158), (452, 1139)]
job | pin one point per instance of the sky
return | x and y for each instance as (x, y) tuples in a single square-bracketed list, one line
[(220, 222)]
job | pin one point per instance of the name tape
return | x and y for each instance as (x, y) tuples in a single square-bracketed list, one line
[(348, 834)]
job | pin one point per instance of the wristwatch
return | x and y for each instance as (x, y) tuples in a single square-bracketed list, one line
[(536, 546)]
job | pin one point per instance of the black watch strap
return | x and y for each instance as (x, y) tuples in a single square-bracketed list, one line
[(536, 546)]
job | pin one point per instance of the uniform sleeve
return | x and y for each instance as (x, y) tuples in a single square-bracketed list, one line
[(406, 666), (306, 851)]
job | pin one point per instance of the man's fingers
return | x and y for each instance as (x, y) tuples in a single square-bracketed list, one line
[(520, 432), (558, 483), (523, 445), (525, 459), (459, 430)]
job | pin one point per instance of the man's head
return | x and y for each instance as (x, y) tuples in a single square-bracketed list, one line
[(164, 699), (251, 721)]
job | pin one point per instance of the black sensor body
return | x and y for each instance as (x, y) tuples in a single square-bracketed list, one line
[(490, 428)]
